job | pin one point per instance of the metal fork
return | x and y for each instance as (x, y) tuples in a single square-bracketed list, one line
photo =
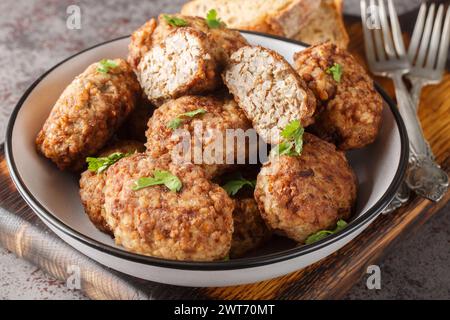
[(428, 49), (387, 57)]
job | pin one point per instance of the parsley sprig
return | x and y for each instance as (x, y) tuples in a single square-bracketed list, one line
[(341, 224), (293, 140), (212, 20), (336, 71), (100, 164), (236, 183), (175, 22), (176, 123), (160, 177), (105, 65)]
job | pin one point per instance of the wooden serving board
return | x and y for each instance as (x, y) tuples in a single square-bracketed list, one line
[(332, 277)]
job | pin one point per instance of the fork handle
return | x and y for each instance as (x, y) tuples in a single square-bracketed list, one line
[(424, 175), (416, 91), (407, 110)]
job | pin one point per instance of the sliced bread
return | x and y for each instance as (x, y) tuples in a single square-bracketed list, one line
[(325, 24), (279, 17)]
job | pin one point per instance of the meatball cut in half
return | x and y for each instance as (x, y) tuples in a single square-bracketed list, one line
[(93, 180), (165, 210), (88, 113), (269, 90), (194, 129), (180, 56), (351, 107), (250, 230), (225, 41), (300, 195), (183, 63)]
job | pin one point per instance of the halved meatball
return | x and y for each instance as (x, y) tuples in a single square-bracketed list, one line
[(351, 108), (183, 63), (269, 90), (155, 31), (173, 61), (300, 195), (92, 184), (194, 223), (88, 113), (250, 230), (205, 133)]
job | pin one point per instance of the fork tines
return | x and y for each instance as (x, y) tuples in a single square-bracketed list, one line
[(382, 33), (430, 41)]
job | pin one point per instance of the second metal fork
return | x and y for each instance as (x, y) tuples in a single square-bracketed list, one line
[(387, 57), (428, 49)]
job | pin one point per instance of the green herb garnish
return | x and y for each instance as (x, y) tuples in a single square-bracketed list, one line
[(160, 177), (175, 123), (341, 224), (101, 164), (236, 183), (293, 140), (212, 21), (105, 65), (175, 22), (336, 71)]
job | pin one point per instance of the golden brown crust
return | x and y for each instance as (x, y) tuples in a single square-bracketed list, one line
[(92, 184), (221, 114), (250, 230), (352, 108), (87, 114), (192, 224), (298, 196)]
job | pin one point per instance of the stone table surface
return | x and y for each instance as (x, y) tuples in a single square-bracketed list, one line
[(34, 37)]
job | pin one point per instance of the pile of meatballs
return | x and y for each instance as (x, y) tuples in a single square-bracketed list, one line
[(117, 112)]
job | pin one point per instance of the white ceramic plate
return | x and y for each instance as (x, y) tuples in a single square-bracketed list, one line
[(53, 195)]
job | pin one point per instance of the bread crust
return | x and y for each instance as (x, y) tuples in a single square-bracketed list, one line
[(316, 30), (279, 19)]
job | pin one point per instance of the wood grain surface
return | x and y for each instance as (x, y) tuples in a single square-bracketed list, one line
[(333, 276)]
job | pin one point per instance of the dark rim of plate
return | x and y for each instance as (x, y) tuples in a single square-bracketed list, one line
[(216, 265)]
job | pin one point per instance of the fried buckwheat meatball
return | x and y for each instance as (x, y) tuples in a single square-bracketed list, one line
[(205, 133), (269, 90), (92, 184), (351, 108), (173, 59), (88, 113), (300, 195), (194, 223), (250, 230)]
